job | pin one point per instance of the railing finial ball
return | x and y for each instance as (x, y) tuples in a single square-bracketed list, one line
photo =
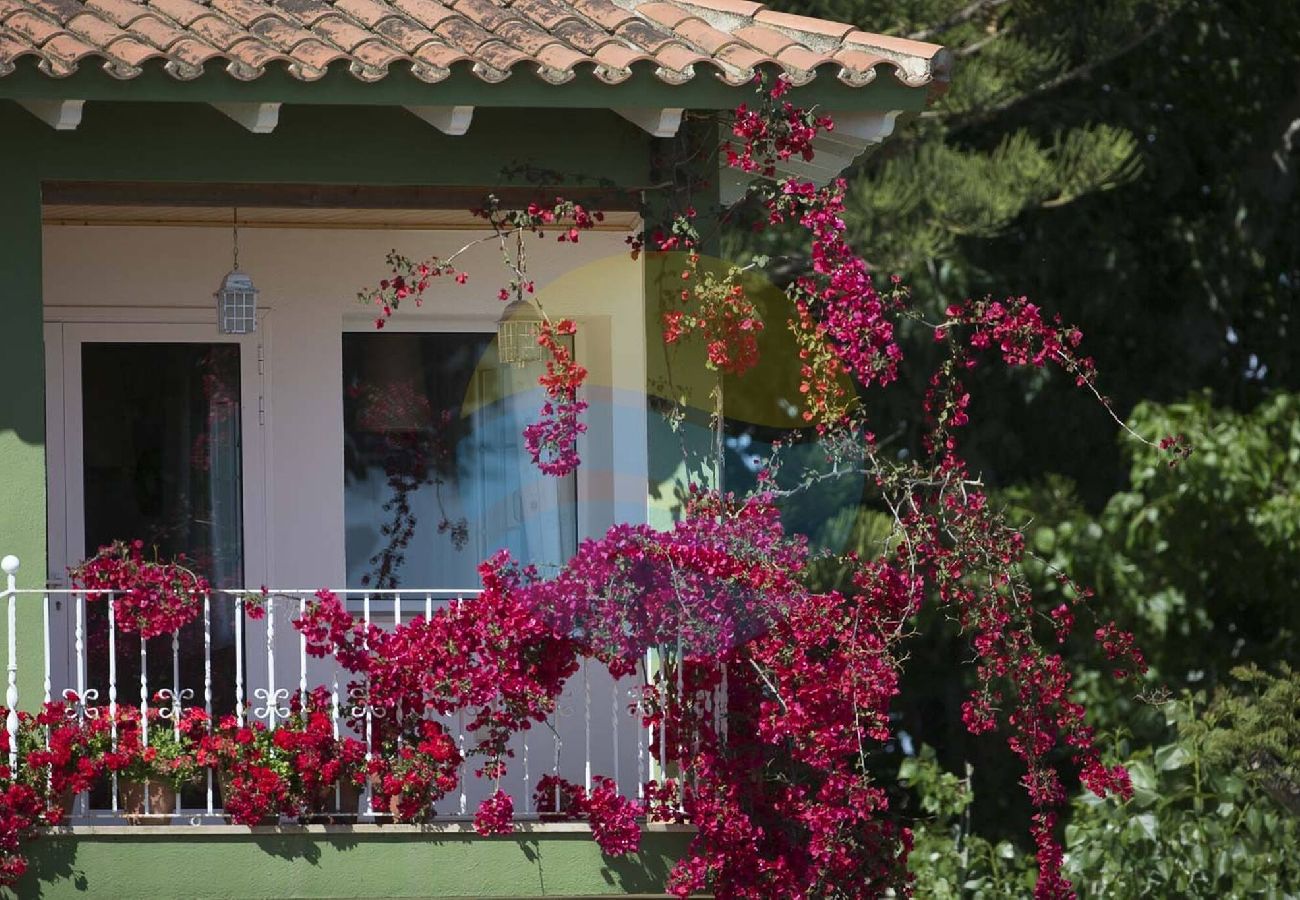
[(9, 564)]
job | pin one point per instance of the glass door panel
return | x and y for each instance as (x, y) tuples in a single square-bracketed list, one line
[(161, 463)]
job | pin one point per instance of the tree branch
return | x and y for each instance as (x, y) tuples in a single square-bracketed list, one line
[(965, 14), (1077, 73)]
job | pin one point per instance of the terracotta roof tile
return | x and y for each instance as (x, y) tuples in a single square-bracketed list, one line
[(341, 33), (157, 32), (307, 12), (546, 13), (787, 21), (183, 12), (119, 12), (132, 51), (800, 58), (665, 14), (485, 13), (645, 35), (604, 13), (428, 13), (281, 34), (765, 40), (741, 56), (217, 31), (703, 35), (557, 39), (463, 34), (65, 48), (526, 36), (583, 36), (742, 8), (253, 53), (63, 9), (315, 54), (191, 52), (501, 55), (92, 28), (405, 34), (620, 57), (244, 12), (440, 55), (558, 56), (37, 29), (376, 54), (367, 12), (678, 57)]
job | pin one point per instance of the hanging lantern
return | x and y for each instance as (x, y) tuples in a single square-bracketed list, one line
[(236, 298), (517, 332)]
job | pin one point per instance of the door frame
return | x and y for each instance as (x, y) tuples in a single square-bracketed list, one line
[(66, 330)]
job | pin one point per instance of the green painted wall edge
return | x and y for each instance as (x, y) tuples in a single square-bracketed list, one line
[(523, 89), (367, 863), (354, 145), (22, 412)]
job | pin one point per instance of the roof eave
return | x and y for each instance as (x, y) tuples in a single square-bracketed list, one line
[(401, 88)]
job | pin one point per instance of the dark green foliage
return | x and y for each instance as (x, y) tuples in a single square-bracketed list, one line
[(1205, 820), (1199, 560)]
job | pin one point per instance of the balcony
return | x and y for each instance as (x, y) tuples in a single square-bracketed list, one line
[(250, 663)]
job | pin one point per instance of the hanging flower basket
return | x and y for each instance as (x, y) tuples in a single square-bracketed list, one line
[(151, 598)]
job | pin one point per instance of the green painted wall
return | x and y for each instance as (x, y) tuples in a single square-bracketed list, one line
[(368, 864), (22, 411)]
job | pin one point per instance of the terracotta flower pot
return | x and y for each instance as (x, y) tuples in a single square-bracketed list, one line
[(162, 802), (335, 806), (223, 781)]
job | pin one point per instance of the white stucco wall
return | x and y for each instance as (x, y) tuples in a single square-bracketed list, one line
[(309, 279)]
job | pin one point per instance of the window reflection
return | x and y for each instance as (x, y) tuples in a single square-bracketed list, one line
[(436, 476)]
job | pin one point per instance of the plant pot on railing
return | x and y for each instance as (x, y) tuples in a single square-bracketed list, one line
[(161, 802), (335, 805)]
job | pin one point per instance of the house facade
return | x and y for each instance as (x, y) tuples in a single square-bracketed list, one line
[(147, 149)]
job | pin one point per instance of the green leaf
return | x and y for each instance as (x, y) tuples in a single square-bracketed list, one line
[(1171, 757)]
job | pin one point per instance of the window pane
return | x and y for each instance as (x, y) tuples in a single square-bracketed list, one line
[(436, 476)]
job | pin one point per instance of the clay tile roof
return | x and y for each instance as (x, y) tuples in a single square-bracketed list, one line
[(556, 40)]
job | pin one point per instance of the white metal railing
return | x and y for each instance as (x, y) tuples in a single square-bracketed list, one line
[(268, 661)]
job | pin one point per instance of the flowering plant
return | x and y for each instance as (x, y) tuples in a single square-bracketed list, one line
[(24, 804), (149, 597), (155, 749), (320, 759), (68, 745), (613, 817), (255, 770), (410, 776)]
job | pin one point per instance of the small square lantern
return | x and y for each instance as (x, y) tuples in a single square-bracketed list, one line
[(236, 304)]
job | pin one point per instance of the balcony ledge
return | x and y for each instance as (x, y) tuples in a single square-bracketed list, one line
[(442, 860), (434, 829)]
